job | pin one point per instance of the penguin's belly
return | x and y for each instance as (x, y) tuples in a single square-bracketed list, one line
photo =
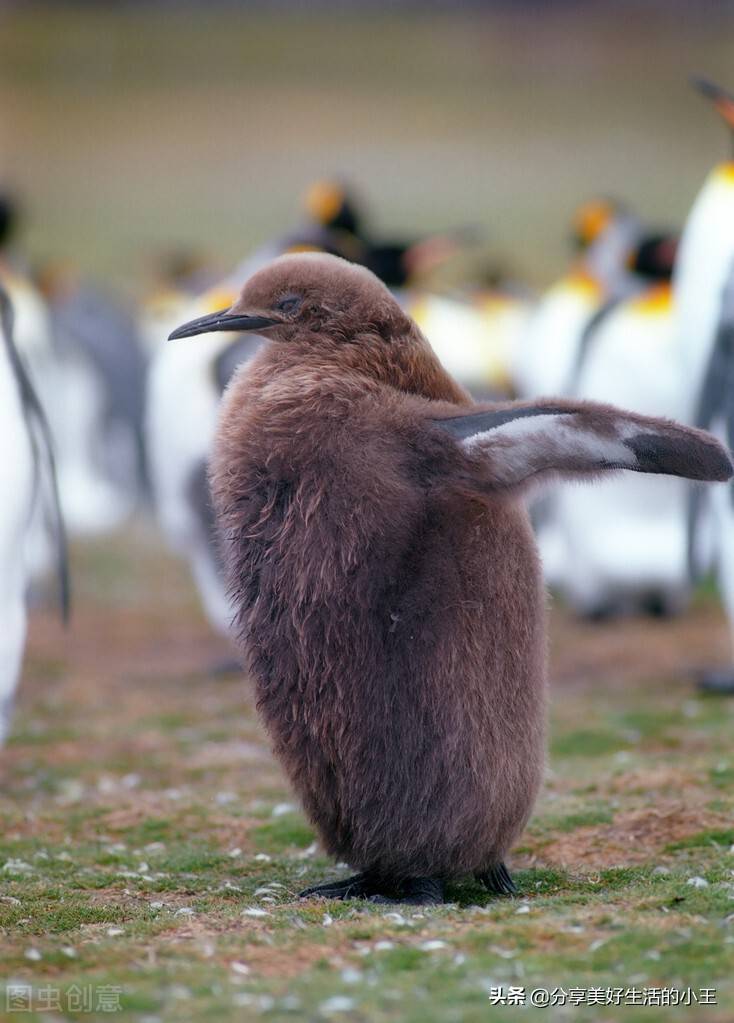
[(408, 705)]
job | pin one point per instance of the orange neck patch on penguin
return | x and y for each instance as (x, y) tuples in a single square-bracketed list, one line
[(724, 172), (581, 281), (655, 301)]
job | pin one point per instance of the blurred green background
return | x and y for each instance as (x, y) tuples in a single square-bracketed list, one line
[(126, 128)]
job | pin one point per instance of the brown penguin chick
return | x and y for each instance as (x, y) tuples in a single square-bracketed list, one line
[(388, 591)]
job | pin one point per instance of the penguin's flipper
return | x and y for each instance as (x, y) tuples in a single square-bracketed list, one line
[(498, 880), (518, 445)]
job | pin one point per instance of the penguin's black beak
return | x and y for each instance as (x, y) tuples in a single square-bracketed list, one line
[(722, 100), (223, 320)]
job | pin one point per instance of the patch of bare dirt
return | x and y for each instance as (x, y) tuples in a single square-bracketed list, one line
[(623, 652), (655, 779), (635, 836), (269, 961)]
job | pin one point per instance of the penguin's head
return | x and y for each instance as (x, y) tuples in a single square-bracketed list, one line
[(309, 298), (723, 101), (330, 204), (591, 220)]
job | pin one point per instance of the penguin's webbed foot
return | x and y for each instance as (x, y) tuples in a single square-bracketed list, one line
[(359, 886), (498, 880), (416, 891)]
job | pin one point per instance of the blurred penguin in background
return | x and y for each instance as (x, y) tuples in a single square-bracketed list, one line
[(704, 292), (102, 369), (336, 223), (33, 340), (335, 209), (32, 325), (26, 473), (716, 407), (704, 260), (544, 360), (192, 378), (474, 334), (17, 484), (582, 341), (613, 261), (83, 359), (178, 275), (624, 550), (473, 331)]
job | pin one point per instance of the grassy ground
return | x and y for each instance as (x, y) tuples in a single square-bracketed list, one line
[(150, 847)]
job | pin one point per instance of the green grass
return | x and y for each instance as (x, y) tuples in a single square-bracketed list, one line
[(722, 776), (587, 743), (286, 832), (706, 839), (583, 819)]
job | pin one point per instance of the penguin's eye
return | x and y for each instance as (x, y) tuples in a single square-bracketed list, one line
[(289, 304)]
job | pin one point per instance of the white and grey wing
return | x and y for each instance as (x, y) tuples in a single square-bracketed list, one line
[(528, 442)]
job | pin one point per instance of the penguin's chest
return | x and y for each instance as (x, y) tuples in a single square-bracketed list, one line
[(347, 606)]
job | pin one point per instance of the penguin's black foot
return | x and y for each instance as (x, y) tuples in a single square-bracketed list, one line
[(498, 880), (717, 681), (416, 891), (359, 886)]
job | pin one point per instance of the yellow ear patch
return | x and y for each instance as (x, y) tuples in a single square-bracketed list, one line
[(323, 200), (591, 219), (217, 298), (302, 247), (655, 301)]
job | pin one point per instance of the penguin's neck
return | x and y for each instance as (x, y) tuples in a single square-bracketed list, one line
[(408, 365)]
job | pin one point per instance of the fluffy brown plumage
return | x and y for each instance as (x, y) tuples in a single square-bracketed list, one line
[(388, 590)]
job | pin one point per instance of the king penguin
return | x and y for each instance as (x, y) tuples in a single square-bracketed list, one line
[(27, 469), (704, 293), (387, 591)]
